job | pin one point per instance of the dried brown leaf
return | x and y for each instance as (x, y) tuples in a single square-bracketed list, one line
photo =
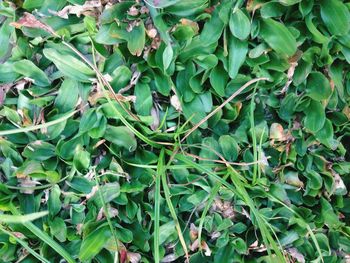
[(29, 20), (88, 8)]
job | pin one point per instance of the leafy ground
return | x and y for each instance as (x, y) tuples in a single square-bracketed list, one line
[(172, 131)]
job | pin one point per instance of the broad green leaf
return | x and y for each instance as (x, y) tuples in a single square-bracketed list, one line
[(237, 52), (272, 9), (136, 39), (58, 229), (218, 79), (182, 8), (39, 151), (318, 86), (165, 231), (121, 136), (28, 69), (289, 2), (68, 95), (94, 242), (69, 65), (239, 24), (196, 109), (336, 16), (109, 192), (305, 7), (81, 159), (143, 103), (325, 135), (213, 28), (167, 56), (278, 37), (80, 184), (116, 11), (316, 34), (10, 114), (5, 36), (32, 4), (315, 116), (54, 203), (229, 147)]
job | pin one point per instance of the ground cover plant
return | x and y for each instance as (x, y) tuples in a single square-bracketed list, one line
[(174, 131)]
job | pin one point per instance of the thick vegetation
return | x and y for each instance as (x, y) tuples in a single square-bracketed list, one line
[(174, 130)]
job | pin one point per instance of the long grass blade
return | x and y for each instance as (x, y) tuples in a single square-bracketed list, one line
[(20, 219), (45, 238), (39, 126), (157, 197), (25, 245)]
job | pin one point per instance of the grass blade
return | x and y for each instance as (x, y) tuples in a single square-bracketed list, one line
[(160, 169), (45, 238), (25, 245), (38, 127), (20, 219)]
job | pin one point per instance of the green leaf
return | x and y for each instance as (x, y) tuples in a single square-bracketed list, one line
[(109, 192), (136, 39), (28, 69), (121, 136), (143, 104), (239, 24), (94, 242), (32, 4), (318, 86), (289, 2), (336, 16), (229, 147), (213, 28), (81, 159), (315, 116), (218, 79), (58, 229), (68, 95), (165, 231), (278, 37), (272, 9), (5, 36), (69, 65), (54, 202), (167, 56), (39, 151), (237, 52), (325, 135)]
